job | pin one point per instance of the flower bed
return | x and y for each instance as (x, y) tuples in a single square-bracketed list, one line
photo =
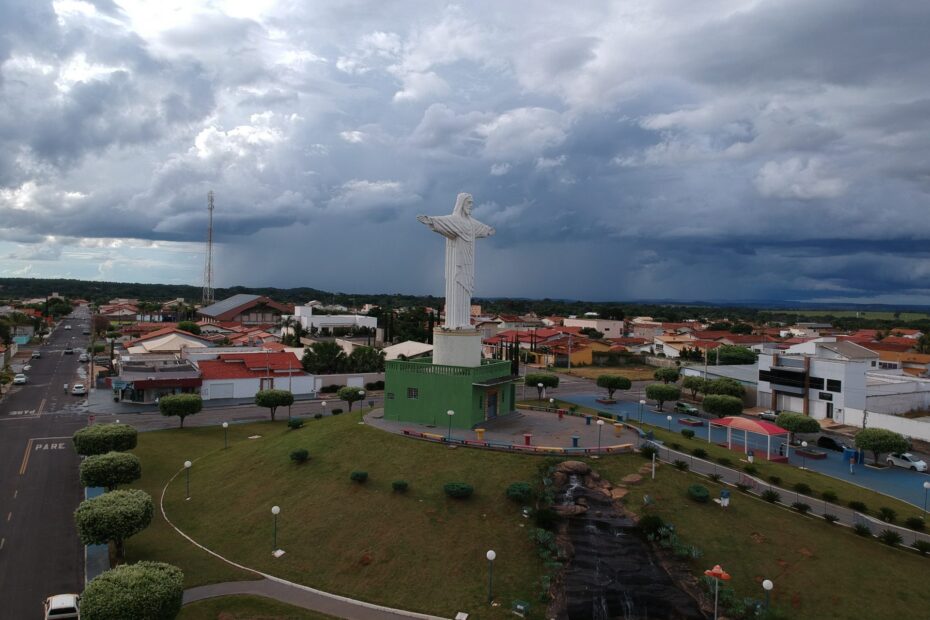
[(690, 422)]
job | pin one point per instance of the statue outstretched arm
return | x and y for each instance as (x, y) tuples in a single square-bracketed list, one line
[(441, 224), (483, 230)]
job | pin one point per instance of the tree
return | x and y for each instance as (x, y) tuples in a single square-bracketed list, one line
[(324, 358), (548, 381), (189, 327), (101, 324), (592, 333), (722, 405), (732, 354), (110, 469), (797, 423), (695, 384), (366, 359), (878, 440), (114, 517), (144, 591), (741, 328), (666, 375), (923, 344), (349, 394), (612, 383), (181, 405), (662, 392), (272, 399), (724, 385), (103, 438), (719, 326)]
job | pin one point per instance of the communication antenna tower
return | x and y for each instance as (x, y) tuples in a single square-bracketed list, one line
[(208, 264)]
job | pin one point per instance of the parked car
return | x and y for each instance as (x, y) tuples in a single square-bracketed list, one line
[(906, 460), (102, 359), (67, 327), (79, 389), (69, 351), (86, 332), (36, 355), (62, 606), (768, 415), (829, 443), (686, 408), (77, 350), (19, 379), (84, 358)]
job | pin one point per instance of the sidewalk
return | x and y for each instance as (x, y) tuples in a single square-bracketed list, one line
[(756, 486), (894, 481)]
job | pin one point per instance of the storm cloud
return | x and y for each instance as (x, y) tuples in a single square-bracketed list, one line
[(714, 150)]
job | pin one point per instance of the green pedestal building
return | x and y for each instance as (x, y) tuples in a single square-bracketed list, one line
[(421, 392)]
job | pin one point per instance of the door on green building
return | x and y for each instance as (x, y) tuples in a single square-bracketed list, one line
[(492, 405)]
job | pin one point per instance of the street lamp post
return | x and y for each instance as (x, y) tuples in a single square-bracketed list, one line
[(450, 413), (225, 435), (803, 456), (600, 425), (767, 585), (541, 388), (552, 403), (926, 488), (361, 414), (642, 403), (668, 419), (187, 470), (275, 510), (323, 406), (491, 556)]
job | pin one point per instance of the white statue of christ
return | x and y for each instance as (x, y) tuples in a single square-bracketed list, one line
[(460, 231)]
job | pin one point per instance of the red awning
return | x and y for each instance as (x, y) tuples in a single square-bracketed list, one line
[(759, 427)]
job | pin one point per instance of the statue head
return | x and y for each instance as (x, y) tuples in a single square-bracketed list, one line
[(463, 204)]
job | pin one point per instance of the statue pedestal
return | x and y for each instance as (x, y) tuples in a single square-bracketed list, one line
[(457, 347)]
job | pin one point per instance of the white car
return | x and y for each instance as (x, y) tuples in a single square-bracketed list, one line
[(79, 389), (19, 379), (63, 606), (67, 327), (83, 358), (906, 460)]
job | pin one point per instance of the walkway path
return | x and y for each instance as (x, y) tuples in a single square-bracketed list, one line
[(757, 486), (893, 481), (299, 596)]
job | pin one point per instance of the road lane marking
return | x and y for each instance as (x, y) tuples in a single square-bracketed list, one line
[(9, 516), (22, 467), (2, 542), (15, 493), (41, 406)]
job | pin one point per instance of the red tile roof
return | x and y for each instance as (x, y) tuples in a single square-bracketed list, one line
[(887, 346), (250, 365), (158, 333), (911, 342)]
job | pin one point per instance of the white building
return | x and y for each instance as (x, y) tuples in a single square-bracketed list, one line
[(609, 327), (328, 322), (241, 375)]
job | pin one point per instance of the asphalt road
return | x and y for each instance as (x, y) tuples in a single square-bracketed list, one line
[(40, 553)]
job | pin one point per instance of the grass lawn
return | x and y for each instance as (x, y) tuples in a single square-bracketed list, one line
[(419, 550), (246, 608), (789, 475), (819, 570), (633, 373)]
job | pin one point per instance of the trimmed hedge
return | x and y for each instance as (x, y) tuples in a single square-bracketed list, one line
[(359, 476), (301, 455), (103, 438), (295, 423), (520, 492), (458, 490), (699, 493), (400, 486), (142, 591)]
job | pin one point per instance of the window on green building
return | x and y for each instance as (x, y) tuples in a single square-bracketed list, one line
[(389, 395), (413, 393)]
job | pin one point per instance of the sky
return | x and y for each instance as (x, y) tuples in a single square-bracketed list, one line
[(716, 150)]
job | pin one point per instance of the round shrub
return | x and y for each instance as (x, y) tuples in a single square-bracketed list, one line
[(359, 476), (776, 480), (675, 445), (317, 416), (830, 518), (829, 496), (700, 453), (800, 487), (862, 529), (725, 461), (103, 438), (858, 506), (300, 456), (400, 486), (520, 492), (458, 490), (648, 451), (699, 493), (113, 516), (687, 433), (915, 523), (337, 411), (801, 507), (680, 465), (110, 469), (771, 495), (922, 546), (144, 591), (715, 477), (751, 469), (649, 525), (295, 423), (890, 537)]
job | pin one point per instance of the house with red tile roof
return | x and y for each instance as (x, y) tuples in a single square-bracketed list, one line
[(245, 309), (241, 375)]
